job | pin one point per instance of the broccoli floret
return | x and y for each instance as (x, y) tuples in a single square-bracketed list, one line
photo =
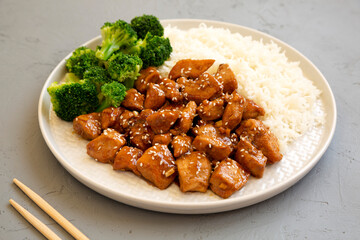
[(71, 77), (112, 94), (72, 99), (81, 59), (153, 50), (156, 50), (124, 68), (147, 23), (98, 76), (115, 36)]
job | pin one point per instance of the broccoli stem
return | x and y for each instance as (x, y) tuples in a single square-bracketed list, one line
[(105, 104), (105, 52), (129, 83)]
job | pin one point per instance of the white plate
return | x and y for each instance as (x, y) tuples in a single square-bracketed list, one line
[(127, 188)]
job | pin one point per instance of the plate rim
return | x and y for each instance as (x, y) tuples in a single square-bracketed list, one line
[(191, 207)]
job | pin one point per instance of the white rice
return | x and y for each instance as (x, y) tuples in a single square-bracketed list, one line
[(263, 72)]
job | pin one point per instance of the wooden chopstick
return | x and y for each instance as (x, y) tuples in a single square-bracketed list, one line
[(35, 222), (69, 227)]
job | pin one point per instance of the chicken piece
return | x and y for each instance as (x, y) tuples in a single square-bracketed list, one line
[(126, 159), (190, 68), (227, 178), (173, 106), (260, 136), (171, 90), (144, 114), (234, 139), (164, 139), (224, 134), (211, 110), (209, 129), (181, 144), (157, 165), (186, 119), (125, 121), (147, 75), (252, 110), (181, 81), (233, 111), (133, 100), (204, 128), (155, 97), (212, 146), (141, 134), (219, 133), (250, 158), (202, 88), (109, 116), (227, 78), (105, 147), (161, 121), (88, 126), (194, 172), (223, 131)]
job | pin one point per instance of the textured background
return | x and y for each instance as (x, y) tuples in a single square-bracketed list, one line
[(36, 35)]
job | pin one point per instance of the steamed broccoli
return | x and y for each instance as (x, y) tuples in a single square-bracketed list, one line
[(81, 59), (73, 98), (89, 87), (147, 23), (98, 76), (111, 94), (71, 77), (156, 50), (153, 50), (115, 36), (124, 68)]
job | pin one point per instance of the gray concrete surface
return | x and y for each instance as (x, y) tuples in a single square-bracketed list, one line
[(36, 35)]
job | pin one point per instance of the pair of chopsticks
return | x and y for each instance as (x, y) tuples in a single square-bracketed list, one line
[(41, 227)]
